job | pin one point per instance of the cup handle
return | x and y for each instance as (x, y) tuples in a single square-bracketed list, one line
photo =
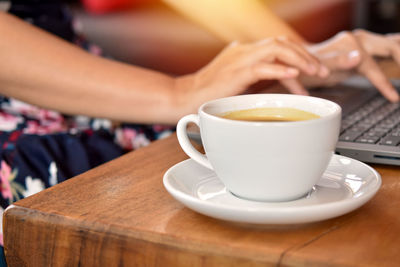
[(185, 142)]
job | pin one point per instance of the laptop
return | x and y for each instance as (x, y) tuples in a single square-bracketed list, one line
[(370, 130)]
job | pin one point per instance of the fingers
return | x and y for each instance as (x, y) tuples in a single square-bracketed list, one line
[(394, 37), (286, 76), (355, 51), (266, 71), (395, 45), (340, 53), (371, 70), (236, 68), (339, 60), (240, 65), (294, 86), (299, 49), (380, 45), (274, 50)]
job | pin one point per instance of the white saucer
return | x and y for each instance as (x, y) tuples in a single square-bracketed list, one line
[(346, 185)]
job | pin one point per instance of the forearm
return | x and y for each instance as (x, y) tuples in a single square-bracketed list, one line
[(241, 20), (44, 70)]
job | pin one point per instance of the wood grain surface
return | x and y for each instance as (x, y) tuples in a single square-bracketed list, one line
[(119, 214)]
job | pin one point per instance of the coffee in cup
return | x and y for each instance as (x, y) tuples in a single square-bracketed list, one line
[(269, 115), (267, 159)]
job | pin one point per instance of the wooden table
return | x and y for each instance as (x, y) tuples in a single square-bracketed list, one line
[(119, 214)]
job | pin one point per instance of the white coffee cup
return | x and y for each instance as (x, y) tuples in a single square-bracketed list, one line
[(265, 161)]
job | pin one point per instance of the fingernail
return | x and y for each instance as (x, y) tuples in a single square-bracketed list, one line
[(395, 97), (355, 54), (234, 43)]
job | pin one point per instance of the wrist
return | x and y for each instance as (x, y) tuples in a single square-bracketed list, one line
[(182, 98)]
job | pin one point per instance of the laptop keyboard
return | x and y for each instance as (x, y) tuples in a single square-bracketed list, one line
[(377, 122)]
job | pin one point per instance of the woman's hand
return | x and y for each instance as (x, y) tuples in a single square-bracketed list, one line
[(350, 52), (240, 65)]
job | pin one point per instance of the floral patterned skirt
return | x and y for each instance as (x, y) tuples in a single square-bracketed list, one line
[(40, 148)]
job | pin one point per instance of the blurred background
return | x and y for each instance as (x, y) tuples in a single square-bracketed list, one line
[(148, 33), (381, 16)]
